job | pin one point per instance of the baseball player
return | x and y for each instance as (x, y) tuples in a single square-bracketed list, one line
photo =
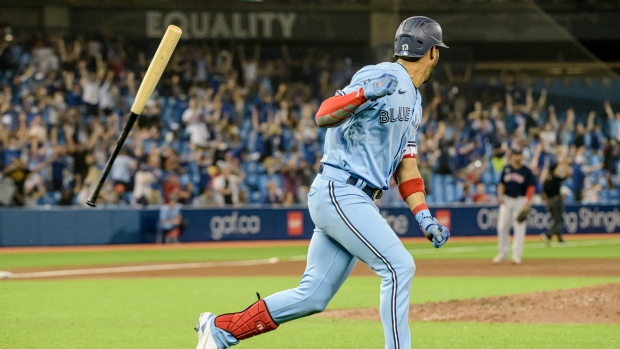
[(372, 128), (515, 192)]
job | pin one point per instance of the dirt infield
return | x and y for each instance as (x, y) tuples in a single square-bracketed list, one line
[(586, 305)]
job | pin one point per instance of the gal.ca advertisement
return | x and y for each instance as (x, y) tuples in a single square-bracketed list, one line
[(276, 224)]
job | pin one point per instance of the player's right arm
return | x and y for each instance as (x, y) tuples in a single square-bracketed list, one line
[(501, 189), (335, 110)]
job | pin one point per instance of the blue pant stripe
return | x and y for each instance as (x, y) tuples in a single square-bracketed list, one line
[(361, 237)]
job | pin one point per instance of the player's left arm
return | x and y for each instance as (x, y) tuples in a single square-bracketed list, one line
[(530, 184), (530, 189), (412, 191)]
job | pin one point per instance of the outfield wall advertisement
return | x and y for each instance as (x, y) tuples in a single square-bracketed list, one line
[(43, 227), (269, 224)]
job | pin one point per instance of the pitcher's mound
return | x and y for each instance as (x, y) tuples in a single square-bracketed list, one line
[(586, 305)]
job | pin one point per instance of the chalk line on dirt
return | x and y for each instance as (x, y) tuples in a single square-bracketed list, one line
[(142, 268)]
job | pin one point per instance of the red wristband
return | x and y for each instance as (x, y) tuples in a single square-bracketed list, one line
[(410, 187), (419, 208)]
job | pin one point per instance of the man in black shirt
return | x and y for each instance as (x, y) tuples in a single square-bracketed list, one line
[(580, 140), (553, 177)]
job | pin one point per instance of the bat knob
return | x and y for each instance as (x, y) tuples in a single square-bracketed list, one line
[(90, 203)]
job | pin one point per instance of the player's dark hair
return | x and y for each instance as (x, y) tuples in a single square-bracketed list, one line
[(408, 59)]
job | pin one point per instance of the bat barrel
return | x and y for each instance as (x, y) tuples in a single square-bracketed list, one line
[(157, 67)]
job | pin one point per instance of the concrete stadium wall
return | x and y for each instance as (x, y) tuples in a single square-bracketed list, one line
[(41, 227)]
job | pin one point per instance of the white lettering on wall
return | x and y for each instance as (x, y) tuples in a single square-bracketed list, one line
[(487, 218), (220, 27), (199, 24), (234, 224), (253, 25), (286, 23), (153, 24), (571, 222), (179, 19), (595, 218), (238, 31), (267, 18), (235, 25), (586, 218)]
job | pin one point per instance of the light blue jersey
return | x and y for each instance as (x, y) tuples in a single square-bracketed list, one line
[(371, 129), (372, 142)]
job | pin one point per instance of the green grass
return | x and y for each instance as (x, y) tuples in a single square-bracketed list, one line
[(578, 249), (159, 313), (369, 335)]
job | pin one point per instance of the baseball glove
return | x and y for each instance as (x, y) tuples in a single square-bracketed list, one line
[(523, 215)]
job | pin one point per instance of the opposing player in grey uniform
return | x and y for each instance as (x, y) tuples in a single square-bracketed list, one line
[(515, 192)]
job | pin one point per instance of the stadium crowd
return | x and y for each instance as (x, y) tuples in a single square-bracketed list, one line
[(228, 126)]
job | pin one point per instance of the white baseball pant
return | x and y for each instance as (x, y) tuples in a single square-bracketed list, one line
[(508, 213)]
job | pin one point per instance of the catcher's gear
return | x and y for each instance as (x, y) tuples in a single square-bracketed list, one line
[(415, 37), (380, 87), (523, 214)]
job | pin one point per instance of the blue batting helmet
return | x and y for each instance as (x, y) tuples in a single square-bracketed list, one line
[(415, 37)]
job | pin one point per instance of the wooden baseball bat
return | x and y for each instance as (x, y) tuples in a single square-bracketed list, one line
[(151, 78)]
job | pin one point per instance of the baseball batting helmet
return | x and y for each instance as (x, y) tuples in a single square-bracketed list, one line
[(415, 36)]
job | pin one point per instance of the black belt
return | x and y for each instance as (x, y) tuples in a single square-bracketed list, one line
[(373, 193)]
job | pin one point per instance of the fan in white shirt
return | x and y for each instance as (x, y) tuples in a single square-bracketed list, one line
[(192, 113), (198, 134), (548, 138)]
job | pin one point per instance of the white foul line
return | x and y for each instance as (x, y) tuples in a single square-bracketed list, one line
[(141, 268), (298, 258)]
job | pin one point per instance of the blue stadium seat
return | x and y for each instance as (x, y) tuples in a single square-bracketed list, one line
[(252, 181), (255, 197), (250, 168), (265, 178)]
